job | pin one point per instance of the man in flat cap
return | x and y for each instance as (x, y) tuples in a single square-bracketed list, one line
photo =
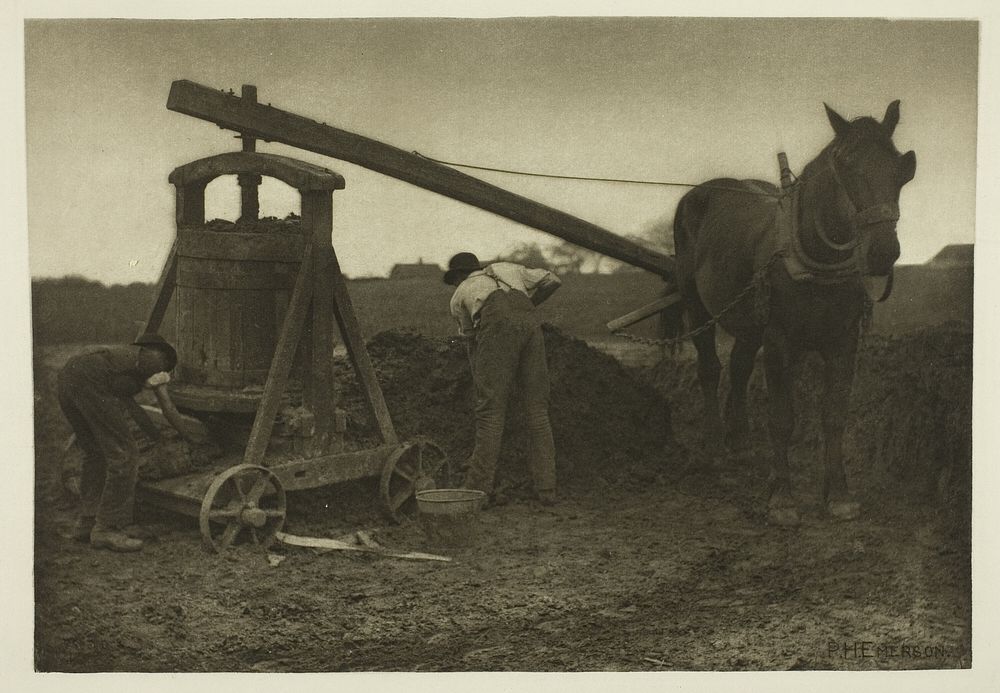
[(494, 306), (96, 393)]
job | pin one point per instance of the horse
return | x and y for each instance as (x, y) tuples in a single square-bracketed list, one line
[(784, 269)]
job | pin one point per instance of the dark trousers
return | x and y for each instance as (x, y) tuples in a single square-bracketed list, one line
[(110, 457), (509, 351)]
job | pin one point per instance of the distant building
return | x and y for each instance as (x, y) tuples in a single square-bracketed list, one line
[(417, 270), (956, 255)]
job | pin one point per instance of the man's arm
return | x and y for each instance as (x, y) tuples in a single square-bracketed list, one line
[(140, 416), (466, 328)]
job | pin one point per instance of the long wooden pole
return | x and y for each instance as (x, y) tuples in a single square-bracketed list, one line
[(264, 122)]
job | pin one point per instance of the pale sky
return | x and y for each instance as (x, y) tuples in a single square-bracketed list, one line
[(653, 98)]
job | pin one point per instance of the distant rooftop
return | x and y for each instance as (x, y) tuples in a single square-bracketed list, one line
[(955, 255), (417, 270)]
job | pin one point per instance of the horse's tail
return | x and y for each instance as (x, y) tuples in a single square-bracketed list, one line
[(686, 221), (670, 322)]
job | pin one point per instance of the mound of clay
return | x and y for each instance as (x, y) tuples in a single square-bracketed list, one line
[(605, 423)]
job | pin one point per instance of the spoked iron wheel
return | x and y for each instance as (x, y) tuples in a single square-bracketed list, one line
[(415, 466), (245, 499)]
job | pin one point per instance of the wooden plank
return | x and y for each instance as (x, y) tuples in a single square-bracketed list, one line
[(235, 245), (281, 365), (185, 337), (320, 388), (226, 377), (230, 278), (164, 290), (210, 399), (646, 311), (350, 331), (237, 362), (314, 472), (338, 545), (189, 204), (295, 173), (274, 125)]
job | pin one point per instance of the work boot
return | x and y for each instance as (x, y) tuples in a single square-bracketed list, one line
[(139, 532), (114, 539), (81, 528)]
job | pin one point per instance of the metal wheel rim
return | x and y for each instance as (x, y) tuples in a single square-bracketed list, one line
[(402, 471), (236, 508)]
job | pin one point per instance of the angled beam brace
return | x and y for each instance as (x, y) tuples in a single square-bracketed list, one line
[(281, 364), (364, 371), (164, 290)]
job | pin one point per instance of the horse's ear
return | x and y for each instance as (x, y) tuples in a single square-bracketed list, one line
[(839, 124), (891, 118)]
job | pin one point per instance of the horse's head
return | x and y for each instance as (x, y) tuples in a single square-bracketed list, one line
[(869, 172)]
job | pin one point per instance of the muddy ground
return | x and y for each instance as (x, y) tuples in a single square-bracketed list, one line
[(651, 561)]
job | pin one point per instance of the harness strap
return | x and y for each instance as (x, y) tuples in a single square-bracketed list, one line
[(491, 273)]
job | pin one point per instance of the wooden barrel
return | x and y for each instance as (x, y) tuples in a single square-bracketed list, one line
[(233, 291)]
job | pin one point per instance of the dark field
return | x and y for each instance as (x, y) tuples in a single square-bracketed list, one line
[(75, 311)]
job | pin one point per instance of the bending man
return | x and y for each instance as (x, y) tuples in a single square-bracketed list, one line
[(96, 393), (494, 307)]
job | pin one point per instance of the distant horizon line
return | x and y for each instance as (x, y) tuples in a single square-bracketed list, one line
[(80, 275)]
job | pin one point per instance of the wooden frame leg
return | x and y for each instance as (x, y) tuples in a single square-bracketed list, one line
[(164, 290), (281, 364), (350, 330)]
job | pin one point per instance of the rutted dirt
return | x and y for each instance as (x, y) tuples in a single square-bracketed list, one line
[(644, 565)]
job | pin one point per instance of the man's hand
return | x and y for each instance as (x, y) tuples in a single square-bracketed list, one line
[(545, 288), (161, 378)]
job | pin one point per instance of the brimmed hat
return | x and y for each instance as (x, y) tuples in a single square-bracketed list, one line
[(461, 263), (152, 340)]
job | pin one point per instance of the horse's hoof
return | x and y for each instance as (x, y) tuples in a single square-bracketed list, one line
[(783, 517), (844, 510)]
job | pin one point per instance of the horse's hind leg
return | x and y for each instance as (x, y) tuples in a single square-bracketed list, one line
[(778, 360), (709, 369), (741, 362), (839, 362)]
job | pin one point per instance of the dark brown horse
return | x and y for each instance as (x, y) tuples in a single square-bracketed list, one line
[(804, 249)]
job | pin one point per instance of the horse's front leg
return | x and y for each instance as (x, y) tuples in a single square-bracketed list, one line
[(779, 358), (741, 362), (839, 360)]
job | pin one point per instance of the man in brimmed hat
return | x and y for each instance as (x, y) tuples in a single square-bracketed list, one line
[(96, 393), (494, 306)]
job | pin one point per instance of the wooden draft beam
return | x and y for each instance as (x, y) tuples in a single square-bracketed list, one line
[(264, 122), (646, 311)]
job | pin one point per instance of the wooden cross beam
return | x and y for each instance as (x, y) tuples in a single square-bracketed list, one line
[(253, 119)]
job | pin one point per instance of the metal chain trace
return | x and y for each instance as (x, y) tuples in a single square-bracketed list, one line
[(758, 276)]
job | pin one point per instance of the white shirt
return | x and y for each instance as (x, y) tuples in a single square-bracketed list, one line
[(470, 295)]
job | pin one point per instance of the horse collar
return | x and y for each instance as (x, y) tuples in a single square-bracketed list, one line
[(798, 263)]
